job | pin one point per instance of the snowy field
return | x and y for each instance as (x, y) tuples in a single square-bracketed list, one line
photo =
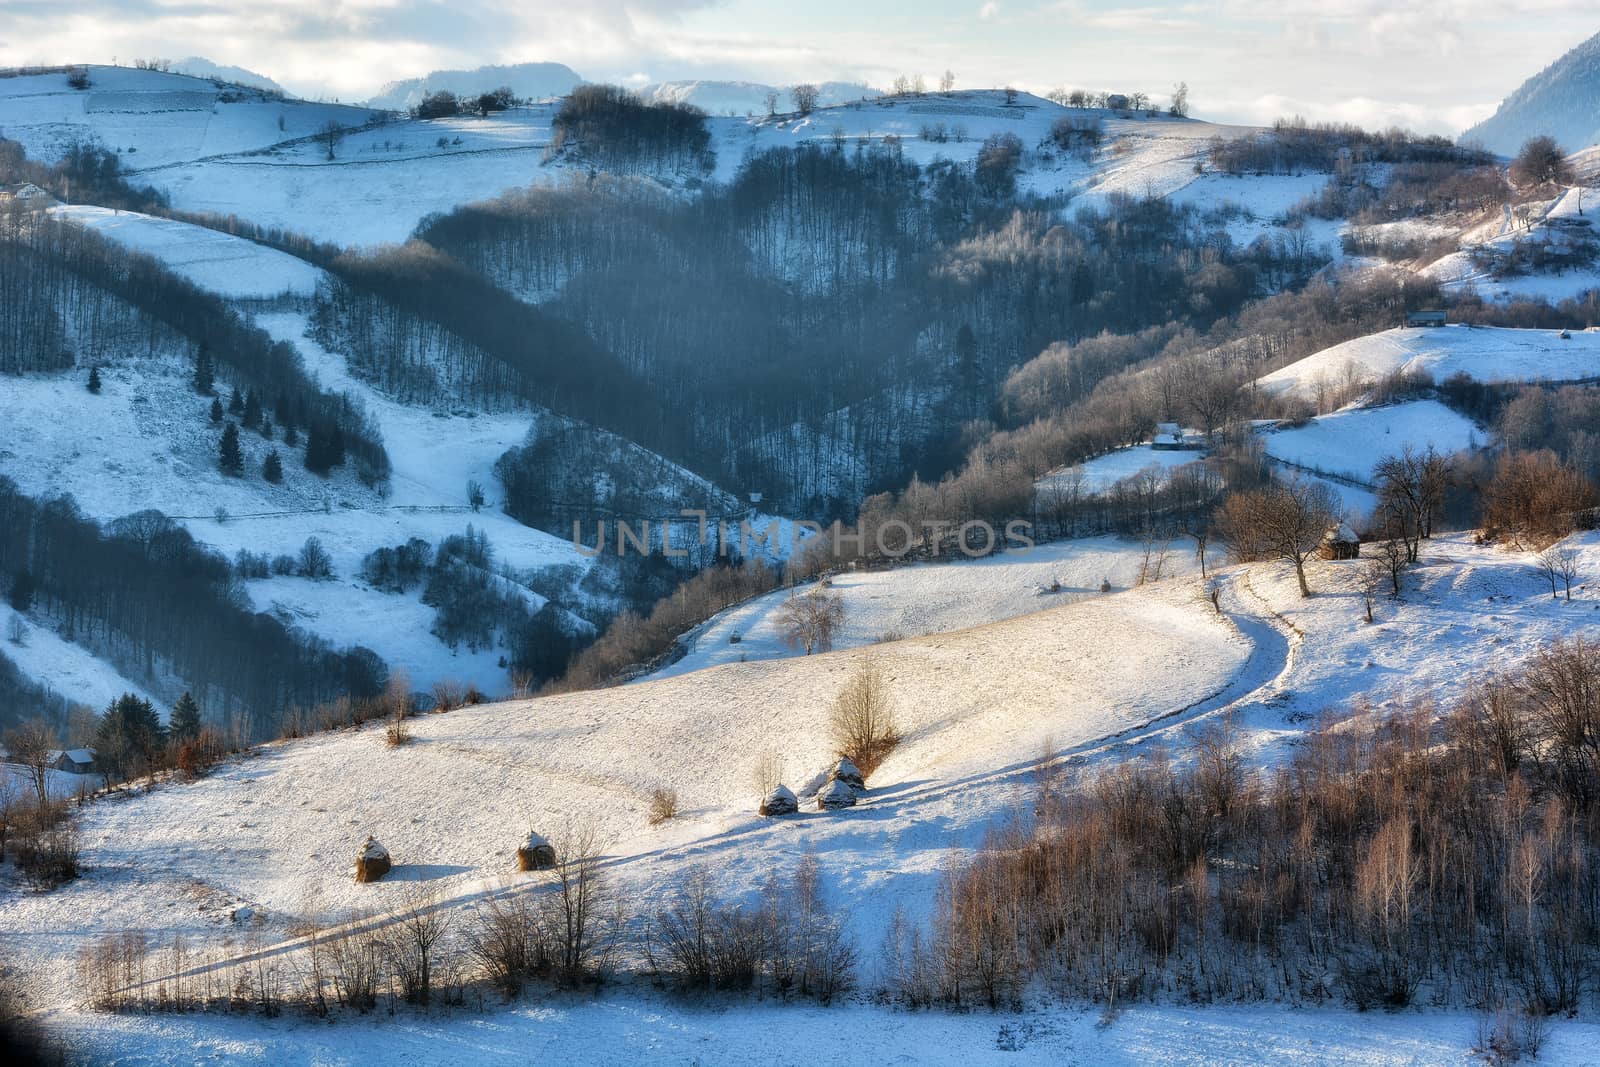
[(1487, 354), (1098, 475), (624, 1028), (277, 829), (151, 118), (1108, 678), (228, 266), (1349, 443), (929, 598)]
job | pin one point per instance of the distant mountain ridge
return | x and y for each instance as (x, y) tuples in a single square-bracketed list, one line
[(1563, 100), (527, 80), (200, 67)]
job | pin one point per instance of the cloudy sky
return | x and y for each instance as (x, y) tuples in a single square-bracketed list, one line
[(1436, 66)]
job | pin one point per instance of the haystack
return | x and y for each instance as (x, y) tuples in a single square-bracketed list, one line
[(779, 802), (373, 861), (835, 795), (847, 772), (536, 854), (1340, 542)]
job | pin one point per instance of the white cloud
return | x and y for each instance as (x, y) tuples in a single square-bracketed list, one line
[(989, 10)]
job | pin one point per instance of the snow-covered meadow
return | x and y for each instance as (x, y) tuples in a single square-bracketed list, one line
[(1485, 354)]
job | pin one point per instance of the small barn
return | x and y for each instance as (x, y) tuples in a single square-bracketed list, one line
[(1427, 318), (75, 761), (1340, 542)]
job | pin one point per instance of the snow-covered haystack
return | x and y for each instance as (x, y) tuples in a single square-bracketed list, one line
[(535, 854), (1340, 542), (373, 861), (847, 772), (781, 801), (835, 795)]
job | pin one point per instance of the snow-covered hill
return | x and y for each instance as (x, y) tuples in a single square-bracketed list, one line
[(749, 98), (1110, 677), (256, 158), (1563, 100), (153, 118), (1485, 354)]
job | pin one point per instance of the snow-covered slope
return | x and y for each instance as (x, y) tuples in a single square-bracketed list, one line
[(275, 831), (932, 598), (749, 98), (228, 266), (1563, 100), (153, 118), (68, 669), (1349, 443), (175, 133), (1483, 353), (279, 827)]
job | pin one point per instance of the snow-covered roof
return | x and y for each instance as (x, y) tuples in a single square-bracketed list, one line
[(1342, 532)]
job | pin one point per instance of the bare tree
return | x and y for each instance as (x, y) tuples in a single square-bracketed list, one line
[(808, 622), (413, 943), (1180, 101), (947, 81), (766, 773), (1370, 580), (770, 99), (862, 722), (805, 97), (1286, 521), (330, 135), (580, 911), (1559, 564), (32, 745), (1393, 557)]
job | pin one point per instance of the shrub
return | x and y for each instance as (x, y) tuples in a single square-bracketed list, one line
[(197, 756), (448, 695), (663, 805), (862, 722), (397, 733)]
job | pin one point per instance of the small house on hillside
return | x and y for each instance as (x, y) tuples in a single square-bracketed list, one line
[(1171, 437), (1340, 542), (1427, 318), (74, 761)]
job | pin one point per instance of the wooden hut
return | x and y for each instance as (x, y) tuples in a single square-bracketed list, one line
[(372, 862)]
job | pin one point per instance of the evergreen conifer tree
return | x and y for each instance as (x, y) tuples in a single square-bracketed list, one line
[(205, 372), (252, 409), (236, 402), (229, 457), (272, 468), (94, 379), (216, 409), (184, 724)]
